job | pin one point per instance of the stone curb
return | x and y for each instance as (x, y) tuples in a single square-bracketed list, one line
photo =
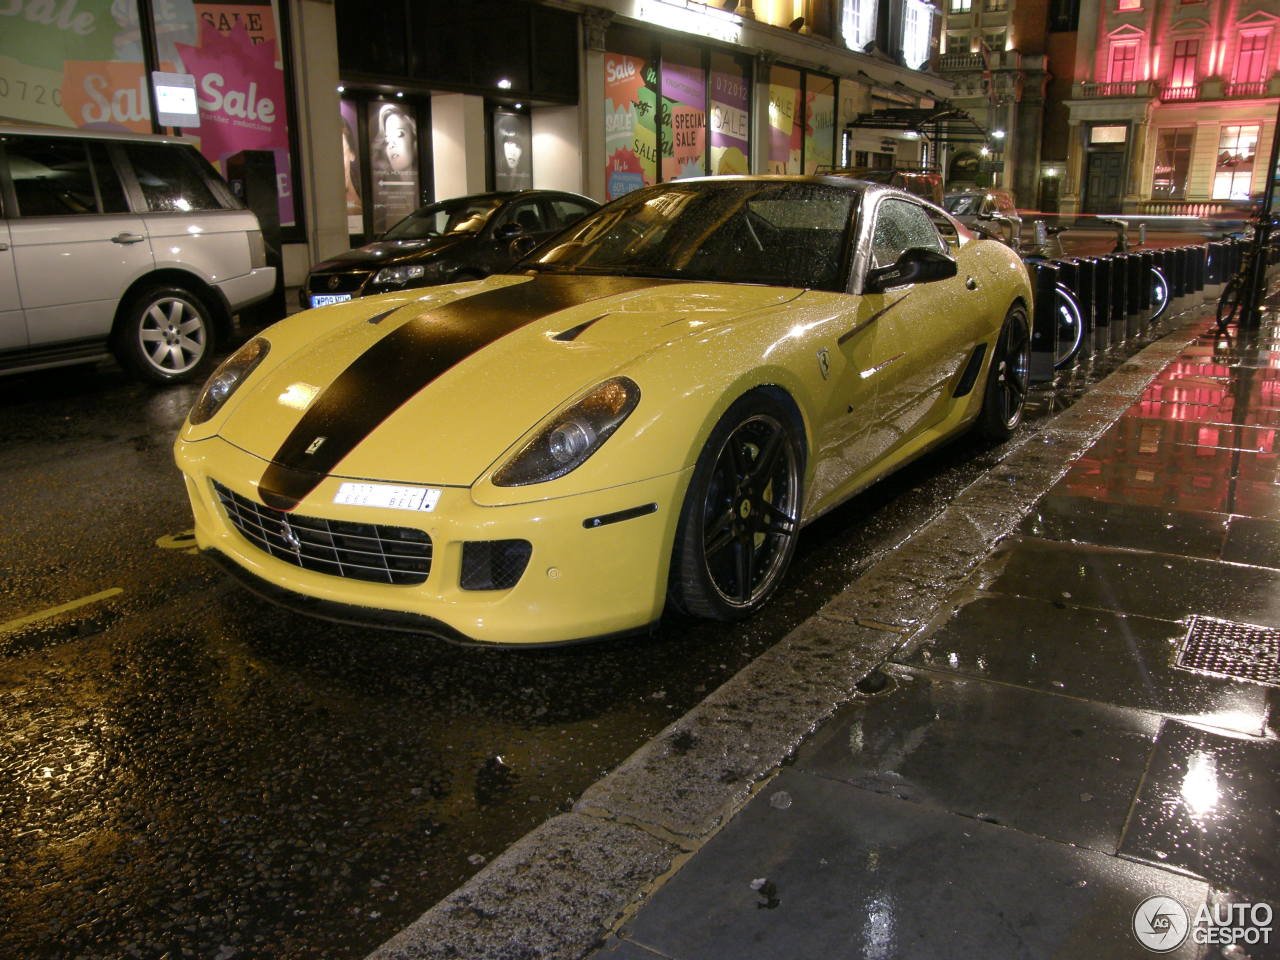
[(556, 892)]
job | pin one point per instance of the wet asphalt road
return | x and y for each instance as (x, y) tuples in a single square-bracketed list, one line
[(191, 772)]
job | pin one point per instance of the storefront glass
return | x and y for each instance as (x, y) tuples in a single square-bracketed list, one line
[(730, 115), (819, 122), (393, 154), (1173, 160), (684, 117), (785, 128), (81, 69), (1233, 172)]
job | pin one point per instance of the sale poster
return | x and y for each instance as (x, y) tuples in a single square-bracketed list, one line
[(630, 125), (784, 126), (684, 121), (730, 130)]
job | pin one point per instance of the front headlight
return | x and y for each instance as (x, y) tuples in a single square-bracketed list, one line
[(399, 276), (571, 437), (227, 379)]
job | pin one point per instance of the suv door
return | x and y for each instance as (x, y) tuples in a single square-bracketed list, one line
[(76, 245), (13, 328)]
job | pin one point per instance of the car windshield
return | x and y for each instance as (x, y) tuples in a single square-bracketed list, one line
[(963, 204), (744, 231), (463, 215)]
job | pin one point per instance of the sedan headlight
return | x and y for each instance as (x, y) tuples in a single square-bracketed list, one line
[(399, 276), (227, 379), (572, 436)]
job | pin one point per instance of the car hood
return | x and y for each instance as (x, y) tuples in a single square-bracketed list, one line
[(384, 252), (437, 389)]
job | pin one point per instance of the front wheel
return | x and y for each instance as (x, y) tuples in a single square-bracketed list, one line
[(1070, 326), (741, 515), (166, 336), (1229, 303), (1005, 395)]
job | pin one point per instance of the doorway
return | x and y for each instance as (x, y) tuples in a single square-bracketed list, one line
[(1104, 180)]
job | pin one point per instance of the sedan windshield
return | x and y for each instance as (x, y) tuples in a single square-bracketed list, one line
[(463, 215), (734, 231)]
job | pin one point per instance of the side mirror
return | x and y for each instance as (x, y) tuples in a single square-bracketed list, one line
[(917, 265), (508, 231)]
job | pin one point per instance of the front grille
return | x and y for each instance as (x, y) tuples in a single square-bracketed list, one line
[(359, 551), (348, 282)]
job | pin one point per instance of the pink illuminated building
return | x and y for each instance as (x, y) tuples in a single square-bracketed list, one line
[(1173, 105)]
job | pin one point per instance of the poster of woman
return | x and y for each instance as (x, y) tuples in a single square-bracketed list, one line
[(351, 168), (393, 134), (512, 151)]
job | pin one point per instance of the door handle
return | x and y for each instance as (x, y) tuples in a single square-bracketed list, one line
[(970, 283), (127, 238)]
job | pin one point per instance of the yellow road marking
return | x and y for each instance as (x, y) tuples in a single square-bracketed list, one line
[(10, 625)]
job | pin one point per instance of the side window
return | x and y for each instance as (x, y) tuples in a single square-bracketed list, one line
[(170, 179), (60, 176), (902, 226), (568, 211), (944, 226), (527, 214)]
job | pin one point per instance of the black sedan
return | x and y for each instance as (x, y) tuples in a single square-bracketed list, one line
[(465, 238)]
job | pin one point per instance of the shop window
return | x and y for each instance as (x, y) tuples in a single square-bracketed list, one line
[(351, 174), (684, 118), (784, 120), (861, 158), (730, 115), (1124, 58), (1173, 161), (819, 123), (1233, 172), (858, 26), (1251, 62)]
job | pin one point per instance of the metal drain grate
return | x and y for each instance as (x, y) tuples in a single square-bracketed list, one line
[(1223, 648)]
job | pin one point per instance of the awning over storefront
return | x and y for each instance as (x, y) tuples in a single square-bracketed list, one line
[(938, 125)]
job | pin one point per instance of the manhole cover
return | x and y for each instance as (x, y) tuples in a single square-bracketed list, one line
[(1227, 649)]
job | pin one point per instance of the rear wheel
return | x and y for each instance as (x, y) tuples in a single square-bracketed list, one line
[(741, 515), (1005, 395), (166, 336)]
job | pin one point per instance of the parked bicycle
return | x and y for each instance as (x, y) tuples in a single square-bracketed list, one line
[(1232, 297)]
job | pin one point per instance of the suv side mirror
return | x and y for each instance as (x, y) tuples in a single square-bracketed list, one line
[(508, 231), (917, 265)]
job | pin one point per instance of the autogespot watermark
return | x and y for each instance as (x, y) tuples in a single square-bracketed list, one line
[(1163, 924)]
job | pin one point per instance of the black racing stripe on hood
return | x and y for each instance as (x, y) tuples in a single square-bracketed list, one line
[(405, 361)]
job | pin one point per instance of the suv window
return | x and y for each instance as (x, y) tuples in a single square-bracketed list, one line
[(62, 176), (902, 226), (170, 178)]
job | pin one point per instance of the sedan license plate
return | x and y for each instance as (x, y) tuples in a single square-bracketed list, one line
[(324, 299)]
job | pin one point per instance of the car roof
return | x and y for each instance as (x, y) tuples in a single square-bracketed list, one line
[(17, 127)]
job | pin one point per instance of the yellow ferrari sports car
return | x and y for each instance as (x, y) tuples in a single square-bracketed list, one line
[(644, 413)]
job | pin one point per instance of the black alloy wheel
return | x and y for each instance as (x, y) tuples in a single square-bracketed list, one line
[(1006, 393), (740, 518)]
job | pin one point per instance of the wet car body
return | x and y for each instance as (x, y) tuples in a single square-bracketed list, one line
[(465, 238), (642, 416)]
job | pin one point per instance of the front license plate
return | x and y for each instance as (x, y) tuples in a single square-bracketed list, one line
[(387, 495), (324, 299)]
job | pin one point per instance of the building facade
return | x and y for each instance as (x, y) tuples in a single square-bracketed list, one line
[(370, 109), (1173, 105)]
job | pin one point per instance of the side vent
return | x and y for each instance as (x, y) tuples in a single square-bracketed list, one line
[(970, 375)]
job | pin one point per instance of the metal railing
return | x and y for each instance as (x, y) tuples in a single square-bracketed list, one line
[(1124, 88)]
